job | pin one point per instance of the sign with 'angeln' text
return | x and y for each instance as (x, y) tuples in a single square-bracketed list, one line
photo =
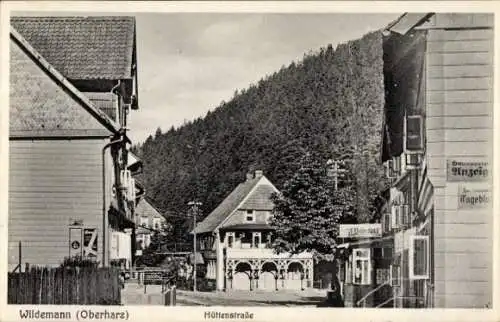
[(360, 231), (473, 198), (467, 170)]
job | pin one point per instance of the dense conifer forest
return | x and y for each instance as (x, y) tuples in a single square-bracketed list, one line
[(330, 103)]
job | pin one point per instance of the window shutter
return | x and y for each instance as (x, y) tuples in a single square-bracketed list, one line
[(414, 134)]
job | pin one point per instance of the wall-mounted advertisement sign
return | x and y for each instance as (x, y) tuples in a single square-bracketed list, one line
[(473, 198), (360, 231), (467, 170)]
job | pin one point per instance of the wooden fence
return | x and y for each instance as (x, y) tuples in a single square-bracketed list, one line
[(65, 285)]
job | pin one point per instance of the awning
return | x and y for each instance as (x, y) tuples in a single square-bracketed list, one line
[(364, 242)]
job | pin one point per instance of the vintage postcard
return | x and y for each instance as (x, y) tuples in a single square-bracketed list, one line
[(249, 161)]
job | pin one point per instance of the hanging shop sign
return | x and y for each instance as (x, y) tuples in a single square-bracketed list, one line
[(467, 170), (473, 198), (360, 231)]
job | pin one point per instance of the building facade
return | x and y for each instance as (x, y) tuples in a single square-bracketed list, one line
[(70, 185), (149, 221), (235, 242), (438, 149)]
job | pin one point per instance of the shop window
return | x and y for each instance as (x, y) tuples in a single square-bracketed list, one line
[(250, 217), (362, 266), (419, 257)]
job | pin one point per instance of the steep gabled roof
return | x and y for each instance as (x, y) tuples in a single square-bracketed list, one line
[(145, 209), (227, 206), (83, 48), (251, 194), (43, 102)]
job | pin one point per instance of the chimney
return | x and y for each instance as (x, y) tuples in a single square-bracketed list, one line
[(258, 173), (249, 176)]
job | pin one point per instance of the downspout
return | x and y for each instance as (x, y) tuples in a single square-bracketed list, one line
[(105, 221)]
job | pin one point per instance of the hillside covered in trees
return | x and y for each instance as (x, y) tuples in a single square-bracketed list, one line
[(330, 103)]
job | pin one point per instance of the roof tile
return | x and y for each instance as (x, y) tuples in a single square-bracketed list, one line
[(82, 47)]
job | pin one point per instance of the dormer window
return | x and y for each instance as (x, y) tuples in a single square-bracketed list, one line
[(250, 217)]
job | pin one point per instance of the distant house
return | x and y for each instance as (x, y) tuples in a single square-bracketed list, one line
[(235, 242), (149, 221), (70, 180)]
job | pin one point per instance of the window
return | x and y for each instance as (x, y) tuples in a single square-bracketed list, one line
[(387, 222), (230, 240), (250, 216), (246, 240), (157, 223), (419, 257), (414, 134), (269, 239), (362, 266), (256, 240), (143, 221)]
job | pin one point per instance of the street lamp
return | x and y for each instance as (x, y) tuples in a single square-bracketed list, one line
[(194, 211)]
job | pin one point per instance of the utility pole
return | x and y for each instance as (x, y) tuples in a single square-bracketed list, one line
[(194, 211)]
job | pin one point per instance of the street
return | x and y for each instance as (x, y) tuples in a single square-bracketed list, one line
[(133, 294)]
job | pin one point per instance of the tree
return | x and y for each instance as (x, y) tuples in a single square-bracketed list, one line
[(308, 211)]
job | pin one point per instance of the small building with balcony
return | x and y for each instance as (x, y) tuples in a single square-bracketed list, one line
[(235, 240)]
